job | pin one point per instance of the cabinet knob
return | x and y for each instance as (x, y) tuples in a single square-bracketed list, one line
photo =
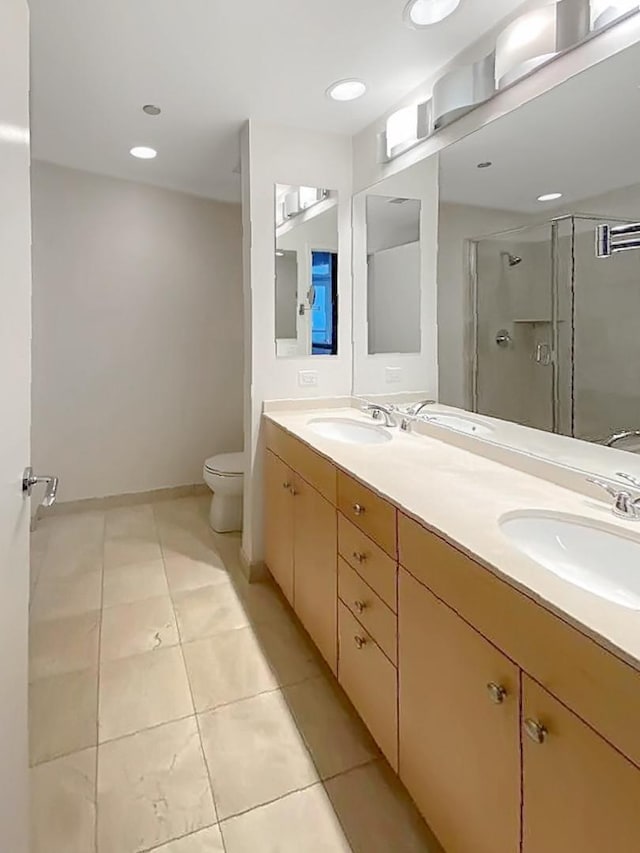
[(286, 485), (535, 731), (497, 693), (293, 491), (358, 509), (360, 606), (360, 642), (359, 557)]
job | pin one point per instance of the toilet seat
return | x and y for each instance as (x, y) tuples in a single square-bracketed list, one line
[(226, 465)]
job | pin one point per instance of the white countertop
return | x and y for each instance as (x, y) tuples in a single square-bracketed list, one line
[(461, 496)]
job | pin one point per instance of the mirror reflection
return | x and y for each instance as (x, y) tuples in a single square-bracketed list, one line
[(306, 270), (393, 274), (535, 327)]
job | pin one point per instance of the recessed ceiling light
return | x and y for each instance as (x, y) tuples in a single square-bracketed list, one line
[(549, 197), (346, 90), (425, 13), (486, 164), (143, 153), (151, 110)]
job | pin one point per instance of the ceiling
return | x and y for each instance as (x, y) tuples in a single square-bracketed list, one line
[(210, 65), (581, 139)]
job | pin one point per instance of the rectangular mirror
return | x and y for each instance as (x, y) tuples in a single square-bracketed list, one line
[(535, 328), (394, 284), (306, 268), (393, 274)]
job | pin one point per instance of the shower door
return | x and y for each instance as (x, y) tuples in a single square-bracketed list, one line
[(515, 296), (606, 343)]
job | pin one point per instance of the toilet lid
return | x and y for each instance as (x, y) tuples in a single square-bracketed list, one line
[(226, 463)]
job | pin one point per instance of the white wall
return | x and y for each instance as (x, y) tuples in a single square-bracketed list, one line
[(137, 338), (272, 155)]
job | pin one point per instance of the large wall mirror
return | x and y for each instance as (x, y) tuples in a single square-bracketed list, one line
[(535, 328), (394, 257), (306, 266)]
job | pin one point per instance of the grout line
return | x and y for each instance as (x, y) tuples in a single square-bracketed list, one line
[(181, 838), (104, 536), (267, 803), (184, 663)]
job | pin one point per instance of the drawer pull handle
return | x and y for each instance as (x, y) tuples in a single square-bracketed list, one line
[(360, 606), (360, 642), (535, 731), (497, 693), (359, 557), (358, 509)]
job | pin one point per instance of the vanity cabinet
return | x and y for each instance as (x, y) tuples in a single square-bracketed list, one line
[(513, 731), (578, 792), (278, 527), (459, 704)]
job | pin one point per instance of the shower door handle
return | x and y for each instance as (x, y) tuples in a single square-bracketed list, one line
[(543, 354)]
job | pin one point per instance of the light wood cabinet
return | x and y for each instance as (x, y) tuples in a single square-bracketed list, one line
[(459, 726), (370, 680), (369, 609), (315, 562), (368, 511), (278, 526), (579, 794), (375, 566)]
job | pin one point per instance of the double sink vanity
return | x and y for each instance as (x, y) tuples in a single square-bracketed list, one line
[(483, 620)]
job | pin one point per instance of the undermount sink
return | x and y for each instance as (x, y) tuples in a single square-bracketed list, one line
[(595, 558), (460, 424), (349, 432)]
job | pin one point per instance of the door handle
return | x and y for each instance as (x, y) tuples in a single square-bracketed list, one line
[(51, 491)]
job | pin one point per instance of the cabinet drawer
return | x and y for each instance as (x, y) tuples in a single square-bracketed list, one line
[(369, 609), (595, 684), (371, 682), (369, 560), (312, 467), (369, 512)]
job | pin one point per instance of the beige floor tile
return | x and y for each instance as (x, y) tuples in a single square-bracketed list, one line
[(62, 714), (185, 574), (66, 596), (226, 668), (377, 814), (209, 611), (254, 753), (288, 650), (134, 583), (130, 550), (263, 601), (141, 626), (132, 521), (196, 544), (205, 841), (64, 645), (303, 822), (335, 735), (142, 691), (152, 788), (63, 809), (67, 558)]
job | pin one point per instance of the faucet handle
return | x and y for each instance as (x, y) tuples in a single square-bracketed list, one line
[(629, 478), (604, 485)]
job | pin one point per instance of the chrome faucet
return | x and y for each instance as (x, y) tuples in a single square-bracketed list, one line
[(625, 504), (418, 407), (378, 411), (620, 436)]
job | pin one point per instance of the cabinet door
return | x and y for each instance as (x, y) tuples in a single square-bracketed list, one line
[(580, 794), (316, 568), (459, 726), (278, 517)]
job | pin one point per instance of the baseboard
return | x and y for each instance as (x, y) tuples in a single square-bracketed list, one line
[(132, 499), (253, 572)]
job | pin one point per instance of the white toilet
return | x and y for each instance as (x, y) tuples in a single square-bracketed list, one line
[(224, 475)]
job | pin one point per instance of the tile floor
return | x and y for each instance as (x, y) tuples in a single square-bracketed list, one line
[(176, 708)]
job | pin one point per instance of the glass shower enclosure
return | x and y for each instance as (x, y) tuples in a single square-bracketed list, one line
[(555, 329)]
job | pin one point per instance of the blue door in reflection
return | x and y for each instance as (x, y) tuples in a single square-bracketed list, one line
[(324, 314)]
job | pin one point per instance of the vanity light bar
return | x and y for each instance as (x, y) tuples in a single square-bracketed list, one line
[(530, 41), (616, 238)]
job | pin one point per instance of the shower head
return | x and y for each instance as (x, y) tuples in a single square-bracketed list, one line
[(513, 260)]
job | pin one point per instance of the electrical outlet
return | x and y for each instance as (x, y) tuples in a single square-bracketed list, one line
[(393, 375), (307, 378)]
